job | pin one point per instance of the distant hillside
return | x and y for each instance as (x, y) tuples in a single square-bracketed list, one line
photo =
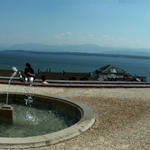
[(77, 53), (86, 48), (90, 48)]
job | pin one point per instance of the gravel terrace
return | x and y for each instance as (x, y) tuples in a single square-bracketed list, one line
[(122, 117)]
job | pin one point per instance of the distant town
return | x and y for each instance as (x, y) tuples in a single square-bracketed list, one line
[(105, 73)]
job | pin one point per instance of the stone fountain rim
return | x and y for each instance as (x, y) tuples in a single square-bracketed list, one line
[(86, 121)]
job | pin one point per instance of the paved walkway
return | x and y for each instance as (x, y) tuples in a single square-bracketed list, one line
[(122, 117)]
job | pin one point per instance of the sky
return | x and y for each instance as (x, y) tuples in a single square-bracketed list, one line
[(110, 23)]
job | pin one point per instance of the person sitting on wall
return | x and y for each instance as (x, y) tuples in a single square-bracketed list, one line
[(29, 73)]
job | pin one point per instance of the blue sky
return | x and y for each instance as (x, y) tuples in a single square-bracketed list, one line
[(110, 23)]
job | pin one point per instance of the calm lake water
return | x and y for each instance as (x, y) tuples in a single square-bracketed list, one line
[(73, 63)]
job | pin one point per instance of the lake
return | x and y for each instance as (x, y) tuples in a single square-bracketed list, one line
[(58, 62)]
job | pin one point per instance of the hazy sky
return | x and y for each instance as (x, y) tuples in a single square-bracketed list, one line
[(111, 23)]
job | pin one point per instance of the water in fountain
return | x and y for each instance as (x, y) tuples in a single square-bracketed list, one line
[(41, 118), (29, 98), (12, 76)]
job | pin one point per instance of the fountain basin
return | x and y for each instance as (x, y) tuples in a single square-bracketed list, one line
[(83, 118)]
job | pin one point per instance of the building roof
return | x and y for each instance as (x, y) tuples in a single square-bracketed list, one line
[(111, 69)]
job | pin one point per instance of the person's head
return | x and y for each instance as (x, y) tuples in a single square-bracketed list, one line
[(28, 65)]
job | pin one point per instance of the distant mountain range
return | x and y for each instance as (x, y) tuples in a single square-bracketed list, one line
[(15, 52), (86, 48)]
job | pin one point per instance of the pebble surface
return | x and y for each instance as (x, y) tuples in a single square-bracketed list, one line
[(122, 117)]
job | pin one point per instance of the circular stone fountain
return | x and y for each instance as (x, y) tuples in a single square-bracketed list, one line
[(47, 120)]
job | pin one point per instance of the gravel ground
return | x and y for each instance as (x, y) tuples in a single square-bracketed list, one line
[(122, 117)]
